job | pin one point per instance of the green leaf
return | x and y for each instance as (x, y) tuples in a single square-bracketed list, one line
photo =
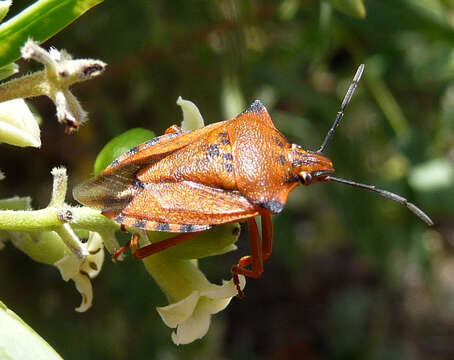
[(39, 21), (18, 341), (353, 8), (120, 144)]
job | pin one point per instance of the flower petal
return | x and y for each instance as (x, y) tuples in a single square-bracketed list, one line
[(18, 126), (93, 263), (213, 306), (194, 328), (226, 290), (69, 266), (83, 285), (192, 119), (179, 312)]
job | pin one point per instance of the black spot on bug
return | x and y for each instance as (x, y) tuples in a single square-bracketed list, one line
[(228, 167), (163, 227), (281, 159), (223, 134), (133, 150), (138, 185), (278, 141), (297, 162), (225, 141), (213, 150), (152, 142), (213, 153), (171, 135), (227, 157), (141, 224), (186, 228), (256, 107), (114, 163), (274, 206)]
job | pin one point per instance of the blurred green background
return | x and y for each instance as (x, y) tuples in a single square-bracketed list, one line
[(352, 276)]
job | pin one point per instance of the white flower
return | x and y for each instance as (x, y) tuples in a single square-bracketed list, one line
[(71, 268), (191, 316), (193, 299), (18, 126)]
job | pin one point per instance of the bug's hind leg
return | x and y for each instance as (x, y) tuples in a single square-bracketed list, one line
[(155, 247), (173, 129), (259, 252)]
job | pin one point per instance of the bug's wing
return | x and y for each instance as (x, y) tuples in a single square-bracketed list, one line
[(113, 191), (182, 207), (159, 147)]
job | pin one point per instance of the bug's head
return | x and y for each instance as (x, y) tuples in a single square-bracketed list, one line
[(310, 167)]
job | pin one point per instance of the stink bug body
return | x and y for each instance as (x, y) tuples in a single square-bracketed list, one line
[(187, 182)]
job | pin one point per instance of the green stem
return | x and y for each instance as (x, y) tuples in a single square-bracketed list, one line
[(29, 220), (72, 241), (90, 219), (23, 87)]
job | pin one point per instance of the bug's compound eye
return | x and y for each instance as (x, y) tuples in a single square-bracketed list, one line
[(305, 178)]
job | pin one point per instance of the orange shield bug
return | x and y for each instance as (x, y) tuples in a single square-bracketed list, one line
[(235, 170)]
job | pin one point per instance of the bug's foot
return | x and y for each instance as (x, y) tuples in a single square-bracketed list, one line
[(121, 250), (236, 281)]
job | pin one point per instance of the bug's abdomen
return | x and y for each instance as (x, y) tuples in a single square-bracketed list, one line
[(208, 161)]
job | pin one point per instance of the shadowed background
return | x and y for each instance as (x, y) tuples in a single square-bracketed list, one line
[(352, 275)]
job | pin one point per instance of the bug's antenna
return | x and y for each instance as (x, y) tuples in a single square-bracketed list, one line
[(389, 195), (340, 113)]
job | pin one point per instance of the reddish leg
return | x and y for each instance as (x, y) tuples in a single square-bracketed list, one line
[(155, 247), (258, 252), (121, 250), (162, 245), (173, 129)]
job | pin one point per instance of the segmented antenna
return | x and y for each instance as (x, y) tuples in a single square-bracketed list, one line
[(340, 113), (389, 195)]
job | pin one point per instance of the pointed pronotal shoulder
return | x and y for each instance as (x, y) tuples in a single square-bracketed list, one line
[(256, 107), (256, 112)]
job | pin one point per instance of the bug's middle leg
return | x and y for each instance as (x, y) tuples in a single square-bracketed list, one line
[(255, 259)]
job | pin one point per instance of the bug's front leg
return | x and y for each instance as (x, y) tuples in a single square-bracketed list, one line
[(259, 252)]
